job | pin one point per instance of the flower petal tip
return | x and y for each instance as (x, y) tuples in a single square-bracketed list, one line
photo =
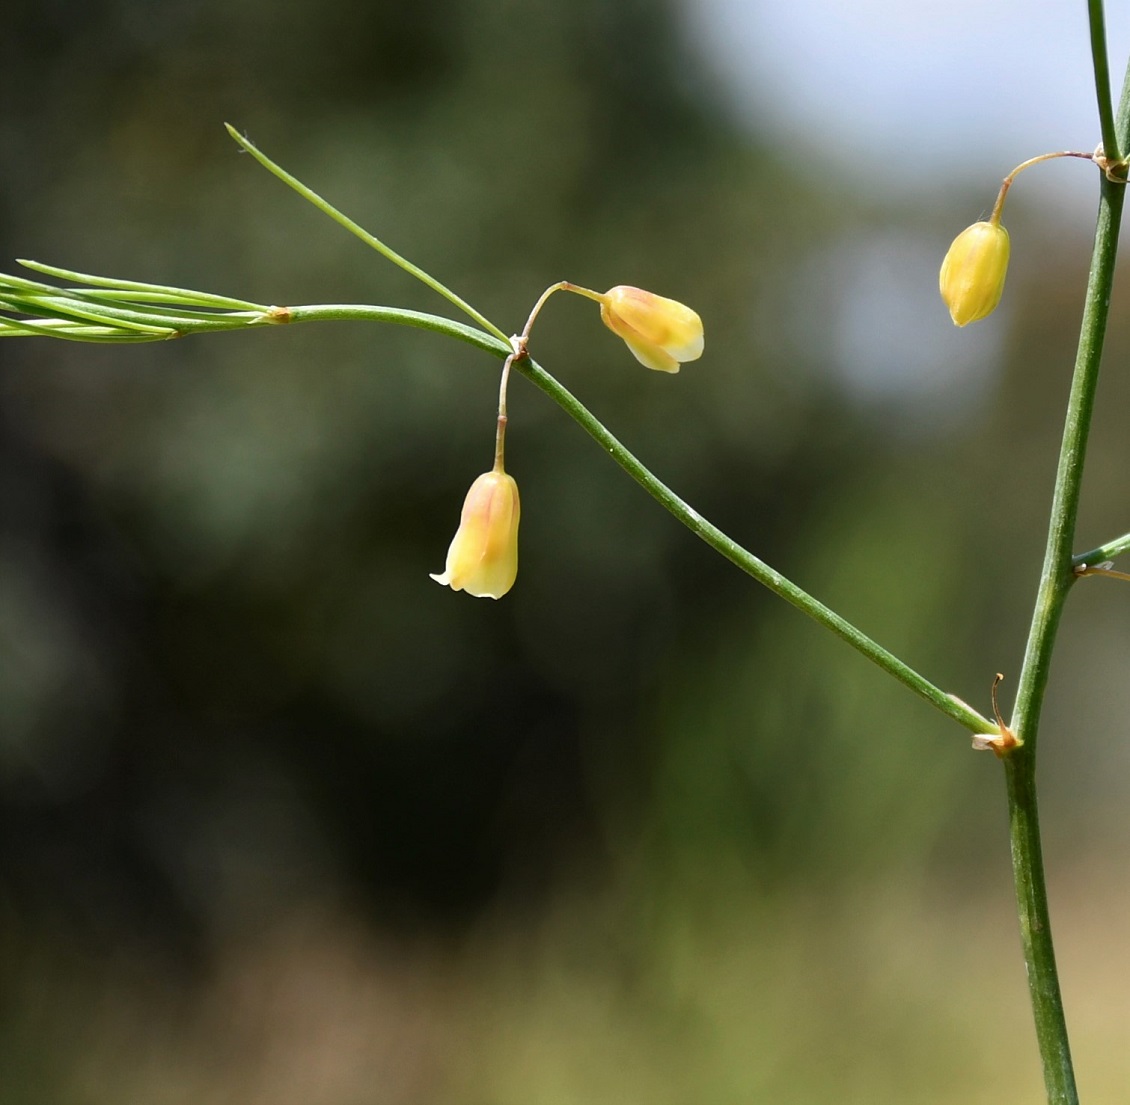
[(483, 556)]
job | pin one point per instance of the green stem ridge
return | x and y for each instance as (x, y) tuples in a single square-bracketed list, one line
[(1056, 580)]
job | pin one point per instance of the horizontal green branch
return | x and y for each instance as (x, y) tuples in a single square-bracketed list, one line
[(1104, 552), (341, 312), (113, 287), (111, 310), (103, 309), (359, 231)]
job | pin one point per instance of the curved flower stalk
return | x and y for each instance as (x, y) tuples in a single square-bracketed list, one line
[(972, 277), (662, 334)]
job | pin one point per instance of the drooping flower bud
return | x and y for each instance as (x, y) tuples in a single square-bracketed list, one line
[(483, 557), (661, 333), (973, 272)]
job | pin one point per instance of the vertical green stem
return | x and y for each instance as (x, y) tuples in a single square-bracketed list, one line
[(1035, 930), (1097, 19), (1056, 580)]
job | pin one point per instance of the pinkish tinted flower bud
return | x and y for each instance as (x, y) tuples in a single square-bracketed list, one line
[(662, 333), (483, 557)]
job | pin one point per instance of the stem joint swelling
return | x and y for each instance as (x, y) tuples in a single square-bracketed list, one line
[(1115, 170)]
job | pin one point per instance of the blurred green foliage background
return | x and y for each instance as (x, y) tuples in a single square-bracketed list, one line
[(283, 821)]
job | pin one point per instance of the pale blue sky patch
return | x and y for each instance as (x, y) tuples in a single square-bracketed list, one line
[(900, 92)]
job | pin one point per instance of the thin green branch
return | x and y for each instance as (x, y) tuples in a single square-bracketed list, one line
[(81, 316), (134, 290), (750, 564), (1097, 19), (1035, 929), (139, 322), (68, 330), (73, 314), (353, 228), (1103, 553), (357, 312), (1056, 580)]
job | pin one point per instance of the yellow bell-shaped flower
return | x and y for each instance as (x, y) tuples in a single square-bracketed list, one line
[(973, 272), (662, 333), (483, 557)]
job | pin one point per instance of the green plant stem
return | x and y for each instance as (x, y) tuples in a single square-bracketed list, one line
[(157, 313), (118, 326), (369, 239), (750, 564), (1057, 575), (115, 288), (1103, 553), (1056, 580), (363, 312), (152, 323), (129, 311), (1097, 19)]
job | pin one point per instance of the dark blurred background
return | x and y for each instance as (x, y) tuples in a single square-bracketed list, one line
[(283, 821)]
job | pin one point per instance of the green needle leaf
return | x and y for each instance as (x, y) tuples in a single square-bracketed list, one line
[(343, 220)]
